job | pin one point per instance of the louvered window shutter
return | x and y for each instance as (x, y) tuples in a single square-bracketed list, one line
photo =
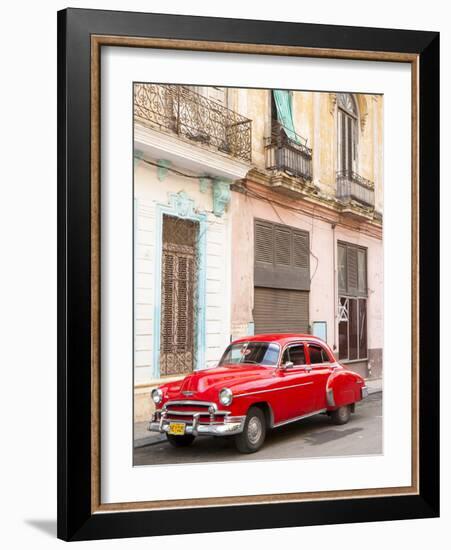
[(282, 244), (343, 142), (341, 268), (301, 250), (177, 303), (352, 267), (362, 271), (168, 304), (184, 311), (349, 143), (264, 243), (282, 256)]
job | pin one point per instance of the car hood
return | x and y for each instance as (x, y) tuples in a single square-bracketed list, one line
[(205, 384)]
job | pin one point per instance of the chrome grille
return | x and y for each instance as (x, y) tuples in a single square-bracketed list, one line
[(187, 410)]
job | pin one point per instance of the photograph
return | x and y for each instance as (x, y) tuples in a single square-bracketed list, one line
[(258, 274), (247, 274)]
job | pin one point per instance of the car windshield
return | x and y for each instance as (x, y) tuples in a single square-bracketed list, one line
[(260, 353)]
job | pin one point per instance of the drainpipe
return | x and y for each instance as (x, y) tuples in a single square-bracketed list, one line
[(334, 286)]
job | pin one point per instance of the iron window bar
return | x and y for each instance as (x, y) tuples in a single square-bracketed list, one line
[(353, 186), (194, 117), (287, 155)]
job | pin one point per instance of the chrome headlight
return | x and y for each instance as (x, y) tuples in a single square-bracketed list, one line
[(225, 396), (157, 396)]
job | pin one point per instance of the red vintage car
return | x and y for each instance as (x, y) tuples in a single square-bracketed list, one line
[(261, 382)]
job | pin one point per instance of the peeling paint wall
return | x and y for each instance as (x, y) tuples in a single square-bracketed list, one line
[(230, 284), (150, 192), (323, 243), (315, 119)]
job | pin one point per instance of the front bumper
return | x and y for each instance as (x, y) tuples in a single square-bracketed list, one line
[(364, 392), (230, 426)]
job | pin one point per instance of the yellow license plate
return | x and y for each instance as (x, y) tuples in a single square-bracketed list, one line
[(177, 428)]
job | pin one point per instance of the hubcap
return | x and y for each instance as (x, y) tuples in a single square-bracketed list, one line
[(254, 430), (343, 413)]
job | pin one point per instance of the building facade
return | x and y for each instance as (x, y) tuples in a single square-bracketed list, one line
[(255, 211)]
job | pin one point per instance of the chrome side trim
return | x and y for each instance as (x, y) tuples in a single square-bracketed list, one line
[(272, 389), (299, 418)]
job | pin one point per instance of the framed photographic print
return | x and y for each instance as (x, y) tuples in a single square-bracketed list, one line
[(248, 274)]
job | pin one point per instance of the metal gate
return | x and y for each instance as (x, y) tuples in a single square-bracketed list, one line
[(179, 274), (279, 310)]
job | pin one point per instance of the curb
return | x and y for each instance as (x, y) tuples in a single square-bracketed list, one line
[(149, 440)]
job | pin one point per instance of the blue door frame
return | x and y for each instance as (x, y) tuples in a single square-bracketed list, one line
[(182, 207)]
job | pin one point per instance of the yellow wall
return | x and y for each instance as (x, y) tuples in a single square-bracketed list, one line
[(315, 118)]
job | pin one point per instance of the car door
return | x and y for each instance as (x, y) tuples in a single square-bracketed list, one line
[(320, 363), (296, 397)]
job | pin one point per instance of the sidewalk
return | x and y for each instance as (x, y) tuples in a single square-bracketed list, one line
[(374, 385), (142, 437)]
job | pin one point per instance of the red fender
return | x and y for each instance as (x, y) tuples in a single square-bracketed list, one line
[(343, 387)]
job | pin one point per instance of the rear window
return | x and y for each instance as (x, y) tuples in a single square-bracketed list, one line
[(318, 355)]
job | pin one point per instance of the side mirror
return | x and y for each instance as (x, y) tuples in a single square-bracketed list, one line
[(287, 365)]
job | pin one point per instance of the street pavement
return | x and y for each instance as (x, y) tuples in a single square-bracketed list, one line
[(312, 437)]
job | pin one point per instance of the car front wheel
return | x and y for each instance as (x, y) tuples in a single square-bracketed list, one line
[(180, 440), (253, 435), (341, 415)]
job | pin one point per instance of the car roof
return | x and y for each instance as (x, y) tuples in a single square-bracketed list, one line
[(280, 338)]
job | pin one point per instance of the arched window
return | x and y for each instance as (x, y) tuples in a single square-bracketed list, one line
[(347, 133)]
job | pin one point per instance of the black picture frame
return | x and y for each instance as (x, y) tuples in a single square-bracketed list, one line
[(76, 521)]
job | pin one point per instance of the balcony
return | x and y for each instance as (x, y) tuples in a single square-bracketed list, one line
[(353, 188), (194, 117), (287, 155)]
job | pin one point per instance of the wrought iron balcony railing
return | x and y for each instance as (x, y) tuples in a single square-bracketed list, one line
[(288, 155), (352, 186), (195, 117)]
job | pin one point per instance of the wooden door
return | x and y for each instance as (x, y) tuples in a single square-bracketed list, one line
[(178, 296)]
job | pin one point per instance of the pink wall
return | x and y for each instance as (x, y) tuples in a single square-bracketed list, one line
[(244, 209)]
